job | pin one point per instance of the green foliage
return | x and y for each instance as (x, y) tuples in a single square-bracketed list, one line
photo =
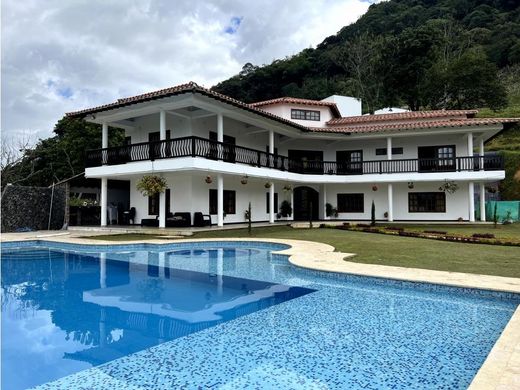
[(510, 186), (420, 53), (373, 214), (150, 185), (60, 156), (285, 209), (331, 211)]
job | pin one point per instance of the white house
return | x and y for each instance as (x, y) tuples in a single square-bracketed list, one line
[(206, 145)]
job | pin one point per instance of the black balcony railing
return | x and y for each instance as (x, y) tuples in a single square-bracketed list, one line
[(213, 150)]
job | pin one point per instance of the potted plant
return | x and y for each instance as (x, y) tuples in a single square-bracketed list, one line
[(449, 186), (208, 179), (508, 218), (374, 188), (244, 179), (150, 185), (285, 209), (287, 188), (331, 211), (267, 185)]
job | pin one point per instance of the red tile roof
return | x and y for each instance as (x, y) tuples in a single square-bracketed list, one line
[(180, 89), (305, 102), (348, 125), (395, 127), (402, 116)]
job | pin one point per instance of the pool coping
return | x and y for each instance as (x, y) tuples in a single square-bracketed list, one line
[(500, 370)]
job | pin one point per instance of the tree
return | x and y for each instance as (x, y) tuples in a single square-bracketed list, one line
[(361, 58), (472, 81), (58, 157)]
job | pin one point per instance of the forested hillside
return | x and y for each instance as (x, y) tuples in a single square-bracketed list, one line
[(415, 53)]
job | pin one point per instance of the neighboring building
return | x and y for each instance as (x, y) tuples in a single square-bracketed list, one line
[(298, 150)]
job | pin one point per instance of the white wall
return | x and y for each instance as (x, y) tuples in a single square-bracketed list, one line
[(456, 204), (190, 193), (284, 110)]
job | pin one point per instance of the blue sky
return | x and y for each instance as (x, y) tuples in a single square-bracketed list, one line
[(60, 56)]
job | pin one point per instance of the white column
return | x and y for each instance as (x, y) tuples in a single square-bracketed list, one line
[(271, 147), (390, 202), (103, 200), (220, 200), (162, 125), (292, 204), (470, 144), (162, 209), (389, 148), (103, 270), (104, 135), (272, 206), (482, 202), (220, 128), (471, 201), (324, 197)]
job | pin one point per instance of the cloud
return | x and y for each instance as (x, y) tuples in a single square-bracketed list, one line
[(63, 56)]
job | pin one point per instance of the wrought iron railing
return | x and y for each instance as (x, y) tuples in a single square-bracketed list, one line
[(221, 151)]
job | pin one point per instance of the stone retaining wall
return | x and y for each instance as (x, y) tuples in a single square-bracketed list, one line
[(28, 207)]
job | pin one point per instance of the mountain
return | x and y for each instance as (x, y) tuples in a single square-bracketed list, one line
[(415, 53)]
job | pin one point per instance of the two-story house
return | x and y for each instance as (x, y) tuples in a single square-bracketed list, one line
[(219, 154)]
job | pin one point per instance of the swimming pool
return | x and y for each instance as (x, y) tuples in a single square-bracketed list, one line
[(231, 315)]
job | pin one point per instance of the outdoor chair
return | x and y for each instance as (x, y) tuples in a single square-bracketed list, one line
[(201, 220)]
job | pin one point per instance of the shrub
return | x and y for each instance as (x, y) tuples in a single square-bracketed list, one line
[(483, 235), (363, 225), (395, 228), (436, 232)]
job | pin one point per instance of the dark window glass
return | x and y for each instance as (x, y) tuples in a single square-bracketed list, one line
[(427, 202), (349, 161), (351, 203), (153, 205), (382, 151), (229, 202), (267, 208), (307, 115)]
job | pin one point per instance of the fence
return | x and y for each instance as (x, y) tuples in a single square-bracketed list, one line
[(30, 207)]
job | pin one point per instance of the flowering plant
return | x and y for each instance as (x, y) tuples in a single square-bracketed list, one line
[(150, 185)]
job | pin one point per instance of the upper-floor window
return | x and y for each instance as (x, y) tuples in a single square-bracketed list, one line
[(382, 151), (307, 115)]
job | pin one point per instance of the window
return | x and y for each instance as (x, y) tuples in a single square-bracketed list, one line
[(153, 203), (426, 202), (382, 151), (229, 202), (267, 208), (349, 161), (436, 158), (351, 203), (306, 115)]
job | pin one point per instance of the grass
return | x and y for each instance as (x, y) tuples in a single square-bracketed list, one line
[(504, 232), (394, 250)]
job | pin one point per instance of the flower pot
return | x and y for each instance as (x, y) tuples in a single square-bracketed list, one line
[(267, 185), (374, 188), (208, 179)]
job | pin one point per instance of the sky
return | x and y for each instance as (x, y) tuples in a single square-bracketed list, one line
[(61, 56)]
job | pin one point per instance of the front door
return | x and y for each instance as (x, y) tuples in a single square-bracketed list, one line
[(436, 158), (305, 203), (154, 149)]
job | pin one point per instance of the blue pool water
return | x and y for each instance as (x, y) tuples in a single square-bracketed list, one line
[(231, 316)]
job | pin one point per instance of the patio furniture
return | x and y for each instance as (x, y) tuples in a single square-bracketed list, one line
[(201, 220), (178, 220), (129, 215), (150, 222)]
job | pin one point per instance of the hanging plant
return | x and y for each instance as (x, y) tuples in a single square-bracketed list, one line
[(244, 179), (411, 185), (208, 179), (449, 186), (267, 185), (491, 190), (374, 188), (287, 188), (150, 185)]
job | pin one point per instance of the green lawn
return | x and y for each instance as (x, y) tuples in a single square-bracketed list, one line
[(394, 250), (399, 251), (505, 232)]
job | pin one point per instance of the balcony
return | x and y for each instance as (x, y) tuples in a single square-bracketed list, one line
[(221, 151)]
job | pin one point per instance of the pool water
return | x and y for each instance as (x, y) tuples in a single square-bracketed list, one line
[(229, 316)]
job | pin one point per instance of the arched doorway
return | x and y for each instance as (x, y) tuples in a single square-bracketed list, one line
[(305, 202)]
